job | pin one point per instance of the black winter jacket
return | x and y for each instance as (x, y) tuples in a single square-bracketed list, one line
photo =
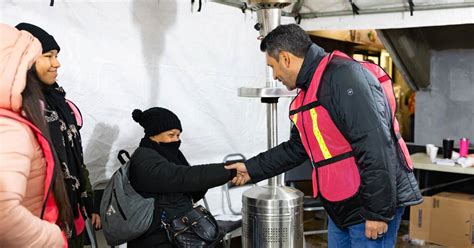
[(364, 119), (173, 187)]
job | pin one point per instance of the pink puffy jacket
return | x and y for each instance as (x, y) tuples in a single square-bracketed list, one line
[(22, 163)]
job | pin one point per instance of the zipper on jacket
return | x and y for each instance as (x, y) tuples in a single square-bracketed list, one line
[(120, 208)]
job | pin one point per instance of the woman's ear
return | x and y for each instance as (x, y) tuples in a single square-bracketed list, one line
[(154, 139)]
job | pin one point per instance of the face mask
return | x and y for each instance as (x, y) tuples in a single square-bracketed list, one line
[(172, 147)]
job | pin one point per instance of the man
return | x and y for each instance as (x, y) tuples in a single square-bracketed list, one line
[(343, 124)]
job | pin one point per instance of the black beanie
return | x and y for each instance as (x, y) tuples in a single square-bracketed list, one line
[(47, 41), (156, 120)]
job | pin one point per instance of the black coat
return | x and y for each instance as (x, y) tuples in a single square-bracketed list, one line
[(365, 121), (173, 186)]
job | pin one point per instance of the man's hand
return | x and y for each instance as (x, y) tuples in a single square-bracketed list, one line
[(95, 219), (375, 229), (242, 176)]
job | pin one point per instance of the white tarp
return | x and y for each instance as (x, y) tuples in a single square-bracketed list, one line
[(375, 14), (372, 14), (125, 54)]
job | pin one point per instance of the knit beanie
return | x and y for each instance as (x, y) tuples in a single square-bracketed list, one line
[(156, 120), (47, 41)]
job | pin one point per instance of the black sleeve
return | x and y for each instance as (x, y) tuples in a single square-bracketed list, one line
[(360, 106), (89, 202), (279, 159), (198, 195), (152, 173)]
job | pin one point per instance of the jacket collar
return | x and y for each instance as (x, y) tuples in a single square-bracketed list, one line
[(313, 57)]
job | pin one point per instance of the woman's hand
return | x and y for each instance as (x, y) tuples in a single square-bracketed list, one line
[(95, 218), (242, 176)]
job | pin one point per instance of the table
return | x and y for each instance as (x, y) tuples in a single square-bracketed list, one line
[(421, 161)]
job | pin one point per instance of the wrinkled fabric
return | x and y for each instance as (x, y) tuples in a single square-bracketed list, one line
[(22, 166), (19, 50)]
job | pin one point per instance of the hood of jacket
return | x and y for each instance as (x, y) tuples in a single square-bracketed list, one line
[(18, 52)]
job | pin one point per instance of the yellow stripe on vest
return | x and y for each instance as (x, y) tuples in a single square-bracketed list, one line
[(317, 134), (295, 118)]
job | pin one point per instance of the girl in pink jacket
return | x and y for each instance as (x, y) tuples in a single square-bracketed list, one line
[(33, 201)]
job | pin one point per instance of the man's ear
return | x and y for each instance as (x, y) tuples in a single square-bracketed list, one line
[(285, 58)]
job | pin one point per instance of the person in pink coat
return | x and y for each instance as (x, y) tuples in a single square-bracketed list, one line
[(33, 201)]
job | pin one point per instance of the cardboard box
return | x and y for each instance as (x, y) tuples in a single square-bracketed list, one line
[(420, 219), (451, 220)]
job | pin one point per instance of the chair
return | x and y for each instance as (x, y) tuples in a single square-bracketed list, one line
[(302, 173), (230, 228)]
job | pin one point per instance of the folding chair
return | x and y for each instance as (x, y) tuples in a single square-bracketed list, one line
[(231, 228)]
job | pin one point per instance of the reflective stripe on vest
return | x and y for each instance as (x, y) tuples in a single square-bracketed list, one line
[(317, 134), (51, 210)]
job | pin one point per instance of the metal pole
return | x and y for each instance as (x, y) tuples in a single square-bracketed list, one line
[(270, 19)]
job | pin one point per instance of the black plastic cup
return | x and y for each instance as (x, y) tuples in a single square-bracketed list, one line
[(448, 148)]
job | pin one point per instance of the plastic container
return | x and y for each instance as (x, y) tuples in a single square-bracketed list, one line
[(463, 147)]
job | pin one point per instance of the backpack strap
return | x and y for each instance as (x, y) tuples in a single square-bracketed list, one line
[(120, 156), (76, 112)]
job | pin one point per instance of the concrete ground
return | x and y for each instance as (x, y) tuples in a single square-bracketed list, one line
[(315, 222)]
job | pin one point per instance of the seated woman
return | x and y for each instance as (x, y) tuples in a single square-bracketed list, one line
[(158, 169)]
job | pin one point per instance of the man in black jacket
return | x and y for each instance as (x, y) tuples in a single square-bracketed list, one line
[(358, 108)]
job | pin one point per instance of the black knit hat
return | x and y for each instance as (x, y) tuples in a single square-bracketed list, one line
[(47, 41), (156, 120)]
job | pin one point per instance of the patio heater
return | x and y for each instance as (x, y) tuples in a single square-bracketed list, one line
[(272, 215)]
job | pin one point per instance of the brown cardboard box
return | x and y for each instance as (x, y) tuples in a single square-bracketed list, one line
[(472, 230), (420, 218), (451, 219)]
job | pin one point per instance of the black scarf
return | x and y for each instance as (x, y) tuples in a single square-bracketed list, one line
[(68, 145), (175, 156)]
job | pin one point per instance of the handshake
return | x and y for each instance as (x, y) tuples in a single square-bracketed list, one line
[(242, 176)]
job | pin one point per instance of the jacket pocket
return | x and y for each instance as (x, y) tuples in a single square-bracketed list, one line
[(339, 180)]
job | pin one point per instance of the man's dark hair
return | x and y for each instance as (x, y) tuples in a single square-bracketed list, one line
[(290, 38)]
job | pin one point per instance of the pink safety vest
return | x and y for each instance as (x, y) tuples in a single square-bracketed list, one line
[(51, 210), (335, 173)]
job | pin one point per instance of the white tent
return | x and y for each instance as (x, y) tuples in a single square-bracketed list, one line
[(370, 14), (118, 55), (125, 54)]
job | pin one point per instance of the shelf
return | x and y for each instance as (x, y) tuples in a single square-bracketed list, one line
[(266, 92)]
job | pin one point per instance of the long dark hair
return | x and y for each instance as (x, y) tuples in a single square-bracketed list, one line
[(32, 100)]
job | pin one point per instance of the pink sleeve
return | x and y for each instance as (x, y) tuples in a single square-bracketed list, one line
[(18, 226)]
